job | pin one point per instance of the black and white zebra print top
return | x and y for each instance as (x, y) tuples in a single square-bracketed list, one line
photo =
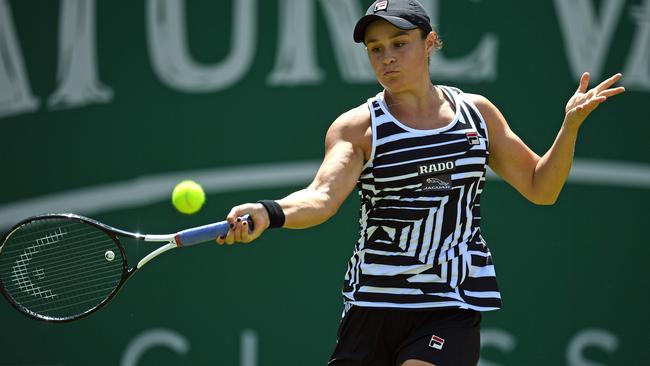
[(420, 243)]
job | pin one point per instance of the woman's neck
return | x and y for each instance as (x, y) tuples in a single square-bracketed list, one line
[(419, 101), (425, 109)]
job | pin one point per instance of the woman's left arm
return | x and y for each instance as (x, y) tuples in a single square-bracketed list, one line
[(540, 179)]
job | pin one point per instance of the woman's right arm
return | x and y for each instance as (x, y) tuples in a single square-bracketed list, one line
[(347, 146)]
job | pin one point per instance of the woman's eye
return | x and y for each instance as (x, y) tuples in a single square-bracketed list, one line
[(399, 44)]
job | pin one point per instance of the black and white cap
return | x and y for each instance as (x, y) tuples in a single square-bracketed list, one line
[(404, 14)]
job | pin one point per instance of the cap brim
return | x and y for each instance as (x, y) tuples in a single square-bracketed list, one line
[(363, 23)]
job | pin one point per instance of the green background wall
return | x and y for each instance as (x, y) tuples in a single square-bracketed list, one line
[(571, 274)]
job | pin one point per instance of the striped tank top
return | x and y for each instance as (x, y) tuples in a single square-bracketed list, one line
[(420, 243)]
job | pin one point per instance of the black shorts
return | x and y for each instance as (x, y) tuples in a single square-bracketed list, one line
[(389, 337)]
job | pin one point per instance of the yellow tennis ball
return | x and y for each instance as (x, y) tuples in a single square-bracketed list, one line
[(188, 197)]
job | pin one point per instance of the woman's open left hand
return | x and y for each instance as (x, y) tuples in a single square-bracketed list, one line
[(584, 102)]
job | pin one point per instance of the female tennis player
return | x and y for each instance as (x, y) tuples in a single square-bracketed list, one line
[(421, 274)]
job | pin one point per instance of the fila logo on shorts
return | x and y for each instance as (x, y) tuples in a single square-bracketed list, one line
[(436, 342), (382, 5), (472, 138)]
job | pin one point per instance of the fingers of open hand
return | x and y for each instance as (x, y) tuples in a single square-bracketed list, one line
[(584, 101), (594, 98), (582, 110), (588, 100), (611, 92), (602, 89), (584, 83), (605, 84)]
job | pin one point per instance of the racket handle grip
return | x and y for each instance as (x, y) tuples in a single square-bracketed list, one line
[(201, 234)]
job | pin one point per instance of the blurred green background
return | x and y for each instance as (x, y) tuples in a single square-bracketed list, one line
[(104, 106)]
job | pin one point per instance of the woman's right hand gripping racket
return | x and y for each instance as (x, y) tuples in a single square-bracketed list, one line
[(63, 267)]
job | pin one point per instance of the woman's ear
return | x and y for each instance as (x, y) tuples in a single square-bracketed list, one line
[(431, 42)]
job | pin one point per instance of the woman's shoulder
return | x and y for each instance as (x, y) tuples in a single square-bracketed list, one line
[(492, 116), (478, 100), (483, 104), (353, 119), (352, 126)]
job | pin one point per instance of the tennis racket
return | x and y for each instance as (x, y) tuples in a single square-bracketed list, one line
[(63, 267)]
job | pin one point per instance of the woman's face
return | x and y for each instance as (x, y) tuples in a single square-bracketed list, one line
[(399, 57)]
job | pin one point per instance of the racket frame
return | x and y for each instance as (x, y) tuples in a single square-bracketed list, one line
[(111, 232)]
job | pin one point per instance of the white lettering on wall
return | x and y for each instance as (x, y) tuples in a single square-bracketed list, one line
[(169, 50), (636, 73), (15, 93), (587, 37), (496, 338), (341, 16), (248, 348), (159, 337), (296, 58), (594, 337), (478, 66), (151, 338), (78, 81), (296, 61)]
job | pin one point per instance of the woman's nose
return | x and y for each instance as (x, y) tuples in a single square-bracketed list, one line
[(388, 59)]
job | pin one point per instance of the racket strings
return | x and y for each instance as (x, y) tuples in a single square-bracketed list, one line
[(64, 272), (90, 251), (72, 277), (88, 303), (87, 290), (71, 268), (20, 233), (45, 247), (57, 268), (67, 262)]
